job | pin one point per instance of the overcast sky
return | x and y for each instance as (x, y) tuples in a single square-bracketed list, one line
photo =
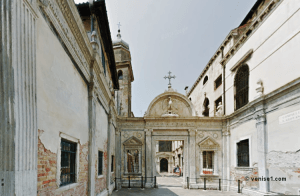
[(171, 35)]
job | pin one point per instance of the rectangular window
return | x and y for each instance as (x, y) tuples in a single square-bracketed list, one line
[(243, 153), (112, 163), (219, 100), (218, 82), (100, 163), (68, 162), (103, 61), (208, 162), (165, 146)]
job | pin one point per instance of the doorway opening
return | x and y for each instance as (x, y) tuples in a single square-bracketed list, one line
[(164, 165)]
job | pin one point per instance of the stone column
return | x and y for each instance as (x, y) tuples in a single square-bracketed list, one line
[(148, 155), (262, 151), (18, 106), (192, 155)]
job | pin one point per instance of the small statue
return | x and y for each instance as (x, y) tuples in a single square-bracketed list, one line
[(259, 88), (219, 109), (205, 110)]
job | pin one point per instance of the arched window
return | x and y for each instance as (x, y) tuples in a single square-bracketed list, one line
[(120, 75), (241, 84), (205, 79)]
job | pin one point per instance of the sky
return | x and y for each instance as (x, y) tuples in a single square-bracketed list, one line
[(171, 35)]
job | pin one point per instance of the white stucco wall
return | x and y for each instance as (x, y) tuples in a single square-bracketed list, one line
[(244, 131), (62, 94), (101, 128), (197, 96), (276, 53), (283, 137)]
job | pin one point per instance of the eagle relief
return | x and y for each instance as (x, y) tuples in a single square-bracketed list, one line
[(170, 107)]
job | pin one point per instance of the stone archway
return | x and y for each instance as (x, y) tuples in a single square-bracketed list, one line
[(164, 163)]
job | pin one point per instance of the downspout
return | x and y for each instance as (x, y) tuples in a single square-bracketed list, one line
[(224, 66), (92, 124)]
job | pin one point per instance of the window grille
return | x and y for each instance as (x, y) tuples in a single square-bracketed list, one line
[(68, 162), (242, 86), (112, 163), (133, 161), (208, 162), (243, 153), (100, 163)]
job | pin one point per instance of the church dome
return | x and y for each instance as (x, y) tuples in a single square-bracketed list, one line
[(119, 42)]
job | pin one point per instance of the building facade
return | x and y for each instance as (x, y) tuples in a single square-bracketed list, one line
[(66, 120)]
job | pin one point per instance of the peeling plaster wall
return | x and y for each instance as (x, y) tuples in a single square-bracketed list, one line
[(283, 159), (101, 145), (62, 107), (240, 132)]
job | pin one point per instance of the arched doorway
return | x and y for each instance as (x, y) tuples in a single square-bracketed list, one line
[(163, 165)]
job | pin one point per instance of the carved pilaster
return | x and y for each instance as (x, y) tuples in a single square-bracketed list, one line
[(18, 107), (262, 150), (192, 154), (148, 146)]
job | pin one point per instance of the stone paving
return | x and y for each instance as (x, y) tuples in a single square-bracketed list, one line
[(169, 186)]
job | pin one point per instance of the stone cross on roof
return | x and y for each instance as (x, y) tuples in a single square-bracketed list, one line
[(119, 25), (169, 77)]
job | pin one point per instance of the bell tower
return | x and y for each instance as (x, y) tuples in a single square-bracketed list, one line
[(125, 75)]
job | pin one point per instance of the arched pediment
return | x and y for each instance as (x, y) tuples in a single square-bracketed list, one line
[(170, 104), (208, 143), (133, 141)]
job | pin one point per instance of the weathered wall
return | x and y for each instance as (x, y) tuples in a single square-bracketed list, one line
[(101, 145), (283, 159), (62, 107)]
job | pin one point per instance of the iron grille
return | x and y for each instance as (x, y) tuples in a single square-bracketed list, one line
[(208, 159), (242, 86), (133, 161), (112, 163), (68, 162), (243, 153), (100, 163)]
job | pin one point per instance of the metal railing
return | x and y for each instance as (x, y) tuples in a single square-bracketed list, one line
[(137, 180), (219, 183)]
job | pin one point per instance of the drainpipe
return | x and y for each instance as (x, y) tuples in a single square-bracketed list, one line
[(224, 66)]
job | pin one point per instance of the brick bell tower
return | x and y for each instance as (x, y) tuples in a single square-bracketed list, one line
[(125, 76)]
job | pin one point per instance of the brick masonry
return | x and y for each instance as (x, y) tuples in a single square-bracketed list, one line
[(100, 183), (47, 165)]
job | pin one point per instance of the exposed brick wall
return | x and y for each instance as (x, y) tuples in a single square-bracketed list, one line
[(100, 183), (244, 176), (47, 171)]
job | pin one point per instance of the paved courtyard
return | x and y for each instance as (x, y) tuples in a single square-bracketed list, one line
[(169, 186)]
